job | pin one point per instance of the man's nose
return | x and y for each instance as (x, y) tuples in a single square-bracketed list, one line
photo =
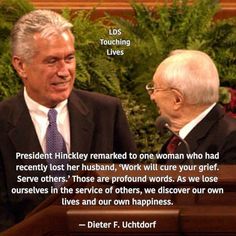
[(63, 71)]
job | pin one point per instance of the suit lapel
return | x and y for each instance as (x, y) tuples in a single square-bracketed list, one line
[(23, 134), (201, 130), (81, 125), (24, 138)]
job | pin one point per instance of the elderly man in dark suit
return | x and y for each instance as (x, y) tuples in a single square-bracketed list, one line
[(48, 115), (185, 88)]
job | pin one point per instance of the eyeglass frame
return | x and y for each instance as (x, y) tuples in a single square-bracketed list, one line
[(150, 87)]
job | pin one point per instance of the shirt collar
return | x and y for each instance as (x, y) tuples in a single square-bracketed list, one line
[(188, 127), (38, 109)]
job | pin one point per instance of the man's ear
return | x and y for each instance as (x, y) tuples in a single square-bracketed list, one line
[(19, 66), (178, 99)]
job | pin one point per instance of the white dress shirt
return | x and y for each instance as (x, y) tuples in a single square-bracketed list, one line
[(188, 127), (39, 116)]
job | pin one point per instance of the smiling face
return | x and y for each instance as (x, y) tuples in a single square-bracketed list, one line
[(49, 75)]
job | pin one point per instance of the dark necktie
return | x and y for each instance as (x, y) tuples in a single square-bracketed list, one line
[(173, 144), (55, 144)]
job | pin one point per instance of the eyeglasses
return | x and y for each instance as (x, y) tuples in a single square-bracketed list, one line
[(150, 87)]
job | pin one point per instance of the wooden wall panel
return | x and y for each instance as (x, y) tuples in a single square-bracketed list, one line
[(120, 7)]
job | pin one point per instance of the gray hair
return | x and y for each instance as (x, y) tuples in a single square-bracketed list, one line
[(193, 73), (45, 22)]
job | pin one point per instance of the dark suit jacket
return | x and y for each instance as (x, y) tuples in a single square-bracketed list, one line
[(97, 125), (215, 133)]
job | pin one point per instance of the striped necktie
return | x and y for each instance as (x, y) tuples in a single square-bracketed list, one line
[(55, 144)]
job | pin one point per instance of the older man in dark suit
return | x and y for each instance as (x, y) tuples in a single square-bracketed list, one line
[(49, 116), (185, 88)]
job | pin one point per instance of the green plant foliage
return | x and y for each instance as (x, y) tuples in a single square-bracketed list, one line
[(142, 124), (225, 96), (10, 12), (221, 44), (155, 33), (95, 70)]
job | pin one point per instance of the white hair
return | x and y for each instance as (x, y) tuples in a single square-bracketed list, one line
[(45, 22), (193, 73)]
